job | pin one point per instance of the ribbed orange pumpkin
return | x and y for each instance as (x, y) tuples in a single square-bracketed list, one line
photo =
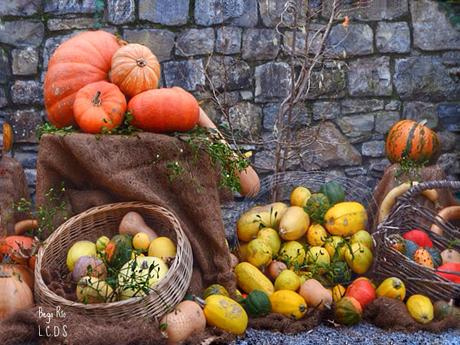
[(164, 110), (83, 59), (411, 140), (99, 106), (135, 69)]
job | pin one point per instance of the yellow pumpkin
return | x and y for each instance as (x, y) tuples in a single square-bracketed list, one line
[(276, 210), (299, 196), (420, 308), (359, 258), (316, 235), (288, 303), (294, 223), (226, 314), (249, 278), (392, 288), (363, 237), (345, 218)]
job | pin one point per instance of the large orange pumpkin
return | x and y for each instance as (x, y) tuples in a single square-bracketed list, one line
[(99, 106), (83, 59), (164, 110), (135, 69), (408, 139)]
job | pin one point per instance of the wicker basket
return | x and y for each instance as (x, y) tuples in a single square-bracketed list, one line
[(354, 191), (408, 214), (104, 220)]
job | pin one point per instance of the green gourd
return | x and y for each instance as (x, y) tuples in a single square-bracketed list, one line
[(215, 289), (435, 256), (257, 303), (333, 191), (317, 206), (118, 251)]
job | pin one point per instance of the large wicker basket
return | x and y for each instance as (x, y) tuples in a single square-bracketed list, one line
[(408, 214), (104, 220)]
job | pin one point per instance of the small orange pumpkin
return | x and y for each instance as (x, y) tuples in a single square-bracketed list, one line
[(135, 69), (16, 247), (164, 110), (408, 139), (99, 105)]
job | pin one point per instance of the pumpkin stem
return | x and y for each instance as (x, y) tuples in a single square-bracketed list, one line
[(141, 62), (97, 99), (423, 122)]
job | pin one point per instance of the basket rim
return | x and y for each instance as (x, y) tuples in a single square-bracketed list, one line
[(40, 284)]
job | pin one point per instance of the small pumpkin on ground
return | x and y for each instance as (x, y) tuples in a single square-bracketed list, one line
[(420, 308), (288, 303), (164, 110), (15, 293), (135, 69), (99, 106), (348, 311), (257, 304), (362, 290), (408, 139)]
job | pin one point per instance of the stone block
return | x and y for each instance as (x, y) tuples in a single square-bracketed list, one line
[(195, 42), (260, 44), (186, 74), (163, 12)]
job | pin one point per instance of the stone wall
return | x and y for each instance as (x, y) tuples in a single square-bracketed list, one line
[(401, 62)]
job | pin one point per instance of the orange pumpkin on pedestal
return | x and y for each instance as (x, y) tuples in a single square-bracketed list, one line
[(99, 106), (164, 110)]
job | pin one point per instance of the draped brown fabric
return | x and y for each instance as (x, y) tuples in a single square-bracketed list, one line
[(13, 187), (154, 168)]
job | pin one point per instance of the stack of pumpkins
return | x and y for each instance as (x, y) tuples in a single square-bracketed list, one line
[(94, 78)]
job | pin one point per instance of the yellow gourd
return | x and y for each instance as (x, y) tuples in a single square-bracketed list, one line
[(259, 253), (270, 236), (338, 292), (346, 218), (226, 314), (243, 251), (335, 243), (392, 288), (363, 237), (292, 253), (288, 303), (300, 196), (249, 278), (316, 235), (294, 223), (420, 308), (287, 280), (277, 210), (163, 248), (318, 255), (359, 258), (250, 222)]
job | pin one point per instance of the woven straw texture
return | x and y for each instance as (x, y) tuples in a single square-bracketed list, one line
[(409, 214), (104, 220)]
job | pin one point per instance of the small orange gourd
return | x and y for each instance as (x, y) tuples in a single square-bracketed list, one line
[(99, 106)]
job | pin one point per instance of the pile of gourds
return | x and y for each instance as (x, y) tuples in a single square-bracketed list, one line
[(94, 78), (127, 265)]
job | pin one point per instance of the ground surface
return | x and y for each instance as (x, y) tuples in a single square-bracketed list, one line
[(361, 334)]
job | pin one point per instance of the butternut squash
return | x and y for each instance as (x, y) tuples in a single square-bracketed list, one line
[(315, 294)]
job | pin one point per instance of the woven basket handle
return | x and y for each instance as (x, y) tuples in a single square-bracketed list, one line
[(437, 184)]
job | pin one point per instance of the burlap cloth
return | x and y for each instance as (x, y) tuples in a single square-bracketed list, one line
[(13, 187)]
